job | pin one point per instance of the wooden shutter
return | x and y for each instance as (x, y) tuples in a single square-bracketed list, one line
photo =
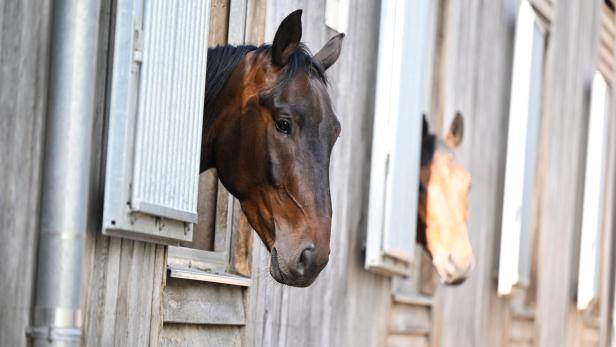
[(155, 118)]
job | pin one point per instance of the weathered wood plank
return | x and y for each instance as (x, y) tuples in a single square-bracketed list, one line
[(219, 22), (407, 340), (24, 60), (194, 302), (521, 331), (410, 319), (179, 335), (570, 64), (156, 319), (203, 235), (521, 344)]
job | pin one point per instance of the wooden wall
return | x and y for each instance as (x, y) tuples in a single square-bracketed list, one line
[(475, 79), (127, 300), (347, 305), (24, 58), (570, 66)]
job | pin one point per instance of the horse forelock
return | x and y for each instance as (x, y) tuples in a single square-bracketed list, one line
[(223, 60)]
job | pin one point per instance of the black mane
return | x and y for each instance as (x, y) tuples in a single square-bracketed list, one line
[(222, 61), (429, 145)]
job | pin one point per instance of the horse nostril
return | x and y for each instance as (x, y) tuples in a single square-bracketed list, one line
[(305, 259)]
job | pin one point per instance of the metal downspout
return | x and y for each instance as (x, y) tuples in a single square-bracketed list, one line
[(66, 170)]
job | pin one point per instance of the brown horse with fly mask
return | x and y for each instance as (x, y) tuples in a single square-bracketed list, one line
[(269, 129), (443, 211)]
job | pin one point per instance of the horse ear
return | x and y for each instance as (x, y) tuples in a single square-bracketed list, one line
[(456, 131), (287, 38), (425, 129), (330, 52)]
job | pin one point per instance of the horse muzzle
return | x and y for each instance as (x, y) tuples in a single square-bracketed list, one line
[(298, 271), (453, 272)]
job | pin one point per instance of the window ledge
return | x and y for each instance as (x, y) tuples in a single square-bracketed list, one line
[(208, 276), (417, 300)]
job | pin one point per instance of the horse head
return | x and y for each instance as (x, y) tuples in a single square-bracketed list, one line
[(443, 207), (270, 134)]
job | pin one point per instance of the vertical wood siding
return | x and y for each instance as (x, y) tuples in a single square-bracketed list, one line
[(478, 51), (571, 62), (24, 58), (478, 78), (347, 305), (123, 298)]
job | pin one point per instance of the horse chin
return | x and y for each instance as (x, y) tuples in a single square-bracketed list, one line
[(281, 277), (449, 279), (452, 282)]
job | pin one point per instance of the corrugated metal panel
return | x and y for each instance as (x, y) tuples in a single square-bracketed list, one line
[(155, 114), (170, 109)]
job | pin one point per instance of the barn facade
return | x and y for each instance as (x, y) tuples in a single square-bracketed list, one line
[(531, 75)]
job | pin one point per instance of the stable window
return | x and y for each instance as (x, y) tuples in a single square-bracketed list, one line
[(406, 49), (213, 255), (156, 93), (522, 150), (594, 182), (220, 249)]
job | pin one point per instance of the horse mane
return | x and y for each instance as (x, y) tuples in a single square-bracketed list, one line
[(428, 148), (430, 144), (222, 61)]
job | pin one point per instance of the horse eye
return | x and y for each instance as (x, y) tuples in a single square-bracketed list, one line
[(284, 126)]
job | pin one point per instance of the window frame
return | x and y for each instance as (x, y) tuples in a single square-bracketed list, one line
[(516, 244), (405, 27), (594, 195)]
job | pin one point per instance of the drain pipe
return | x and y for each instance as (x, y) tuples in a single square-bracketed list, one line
[(66, 171)]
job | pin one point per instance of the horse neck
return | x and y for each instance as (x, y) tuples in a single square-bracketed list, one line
[(222, 62), (420, 235), (220, 116)]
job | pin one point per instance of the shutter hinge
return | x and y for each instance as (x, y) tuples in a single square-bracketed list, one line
[(138, 45)]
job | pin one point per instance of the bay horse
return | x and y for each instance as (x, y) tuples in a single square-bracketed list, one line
[(443, 208), (268, 130)]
